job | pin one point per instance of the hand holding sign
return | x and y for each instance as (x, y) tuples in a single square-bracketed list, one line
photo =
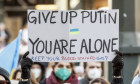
[(26, 64), (117, 64)]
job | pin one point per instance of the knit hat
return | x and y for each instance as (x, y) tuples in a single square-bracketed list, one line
[(5, 74)]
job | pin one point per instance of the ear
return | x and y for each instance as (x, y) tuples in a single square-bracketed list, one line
[(53, 68), (102, 72)]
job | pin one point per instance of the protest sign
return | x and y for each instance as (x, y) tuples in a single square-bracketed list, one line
[(73, 36)]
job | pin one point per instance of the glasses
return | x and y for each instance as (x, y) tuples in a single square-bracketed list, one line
[(3, 82)]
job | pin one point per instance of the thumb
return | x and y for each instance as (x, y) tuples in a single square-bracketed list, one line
[(26, 54)]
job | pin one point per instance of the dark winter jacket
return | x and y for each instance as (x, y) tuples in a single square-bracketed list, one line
[(84, 81), (114, 81), (53, 80), (117, 81)]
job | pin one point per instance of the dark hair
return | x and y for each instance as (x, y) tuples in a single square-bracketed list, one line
[(100, 80), (42, 71), (15, 74), (72, 65)]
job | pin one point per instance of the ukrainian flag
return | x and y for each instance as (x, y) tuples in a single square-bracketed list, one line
[(10, 55), (74, 31)]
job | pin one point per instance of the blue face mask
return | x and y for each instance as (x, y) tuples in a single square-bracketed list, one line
[(63, 74)]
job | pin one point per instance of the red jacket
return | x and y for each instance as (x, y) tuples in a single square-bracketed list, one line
[(53, 80)]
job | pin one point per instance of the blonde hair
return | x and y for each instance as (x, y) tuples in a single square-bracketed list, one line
[(137, 71)]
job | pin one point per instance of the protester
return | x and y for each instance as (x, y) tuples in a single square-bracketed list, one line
[(4, 76), (137, 71), (62, 73), (79, 70), (92, 70), (136, 79), (117, 68), (37, 73), (17, 75), (99, 81)]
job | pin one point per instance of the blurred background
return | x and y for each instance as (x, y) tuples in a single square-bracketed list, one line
[(13, 14)]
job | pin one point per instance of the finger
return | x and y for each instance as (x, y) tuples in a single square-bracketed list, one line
[(26, 54), (118, 53)]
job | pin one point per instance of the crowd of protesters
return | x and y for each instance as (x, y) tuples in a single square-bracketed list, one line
[(62, 73)]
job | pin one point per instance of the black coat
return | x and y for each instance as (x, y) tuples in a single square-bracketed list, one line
[(114, 81), (117, 81)]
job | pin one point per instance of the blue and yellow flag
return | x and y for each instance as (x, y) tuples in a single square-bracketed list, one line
[(10, 55), (74, 31)]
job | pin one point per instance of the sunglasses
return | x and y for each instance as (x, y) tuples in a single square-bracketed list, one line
[(3, 82)]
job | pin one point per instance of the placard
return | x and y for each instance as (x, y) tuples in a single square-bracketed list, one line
[(73, 36)]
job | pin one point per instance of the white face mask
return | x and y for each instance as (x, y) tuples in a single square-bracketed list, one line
[(94, 73), (36, 72)]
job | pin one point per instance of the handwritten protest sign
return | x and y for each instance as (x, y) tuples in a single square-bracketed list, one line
[(73, 36)]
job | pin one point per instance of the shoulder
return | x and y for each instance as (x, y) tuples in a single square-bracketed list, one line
[(43, 81), (136, 80), (83, 81)]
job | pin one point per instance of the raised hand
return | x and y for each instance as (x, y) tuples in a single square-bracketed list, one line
[(117, 64), (26, 64)]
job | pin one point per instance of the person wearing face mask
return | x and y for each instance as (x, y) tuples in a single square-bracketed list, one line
[(93, 70), (63, 73), (37, 73), (33, 71), (136, 79), (79, 70), (17, 75), (4, 76)]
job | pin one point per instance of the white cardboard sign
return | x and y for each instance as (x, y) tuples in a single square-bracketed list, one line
[(73, 36)]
